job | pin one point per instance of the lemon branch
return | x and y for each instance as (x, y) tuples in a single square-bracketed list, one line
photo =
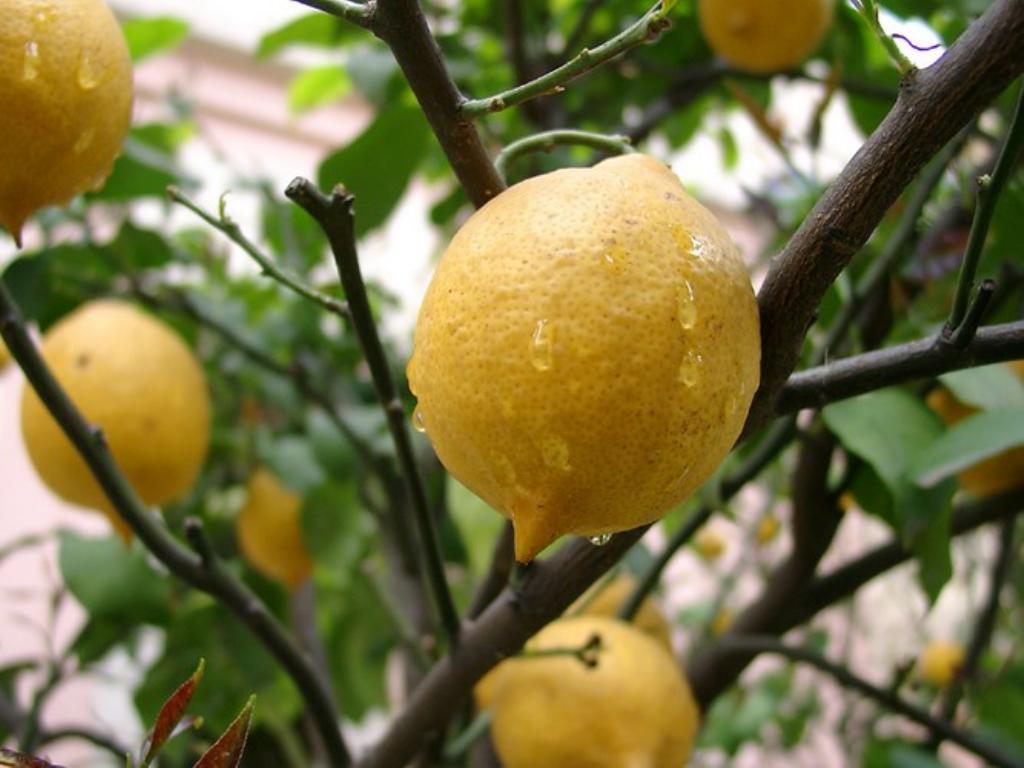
[(852, 376), (944, 98), (869, 10), (360, 14), (647, 28), (548, 140), (989, 189), (890, 700), (209, 576), (228, 227), (334, 215)]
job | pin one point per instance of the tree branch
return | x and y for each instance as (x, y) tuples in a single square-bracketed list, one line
[(216, 581), (648, 28), (548, 140), (360, 14), (334, 215), (852, 376), (752, 644), (933, 105), (402, 25)]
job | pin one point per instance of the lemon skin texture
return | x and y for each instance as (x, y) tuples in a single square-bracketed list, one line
[(269, 530), (133, 377), (66, 87), (999, 473), (939, 663), (764, 36), (587, 350), (633, 709)]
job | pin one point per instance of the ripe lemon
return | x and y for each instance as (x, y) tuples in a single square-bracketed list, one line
[(587, 350), (609, 598), (134, 377), (66, 87), (1002, 472), (939, 663), (633, 709), (270, 533), (710, 544), (764, 35)]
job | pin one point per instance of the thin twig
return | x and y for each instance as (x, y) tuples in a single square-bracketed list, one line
[(852, 376), (217, 581), (888, 699), (648, 28), (334, 215), (989, 190), (360, 14), (869, 10), (547, 141), (223, 223), (968, 328), (84, 734)]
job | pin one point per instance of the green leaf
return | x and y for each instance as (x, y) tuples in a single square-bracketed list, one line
[(378, 165), (978, 437), (149, 36), (315, 29), (171, 713), (41, 294), (896, 754), (140, 171), (318, 86), (886, 428), (922, 516), (1000, 708), (730, 150), (112, 580), (293, 462), (988, 387), (336, 527)]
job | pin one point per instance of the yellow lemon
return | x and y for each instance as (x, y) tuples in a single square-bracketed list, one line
[(132, 376), (710, 544), (66, 87), (631, 709), (764, 35), (767, 529), (999, 473), (939, 663), (607, 599), (5, 355), (587, 350), (269, 531)]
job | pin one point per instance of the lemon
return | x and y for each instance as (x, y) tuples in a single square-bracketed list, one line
[(767, 529), (764, 35), (939, 663), (66, 87), (607, 599), (132, 376), (5, 355), (710, 544), (1002, 472), (587, 350), (633, 709), (269, 530)]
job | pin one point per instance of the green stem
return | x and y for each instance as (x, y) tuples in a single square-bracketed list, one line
[(869, 10), (209, 577), (461, 743), (989, 189), (234, 233), (649, 27), (334, 215), (360, 14), (547, 141)]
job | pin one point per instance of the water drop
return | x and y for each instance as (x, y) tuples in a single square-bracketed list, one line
[(84, 141), (687, 307), (601, 539), (555, 452), (541, 344), (419, 423), (30, 64), (689, 369), (699, 246), (731, 405), (88, 75)]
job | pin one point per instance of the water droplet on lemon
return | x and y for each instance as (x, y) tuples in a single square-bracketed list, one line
[(601, 539), (555, 452), (541, 346), (84, 141), (419, 423), (687, 306), (88, 74), (30, 63), (699, 246), (689, 369)]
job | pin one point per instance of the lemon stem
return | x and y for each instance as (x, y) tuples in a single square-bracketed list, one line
[(547, 141), (335, 217), (360, 14), (648, 27), (202, 572)]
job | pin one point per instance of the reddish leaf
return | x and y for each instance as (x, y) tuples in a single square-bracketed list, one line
[(171, 713), (9, 757), (226, 752)]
